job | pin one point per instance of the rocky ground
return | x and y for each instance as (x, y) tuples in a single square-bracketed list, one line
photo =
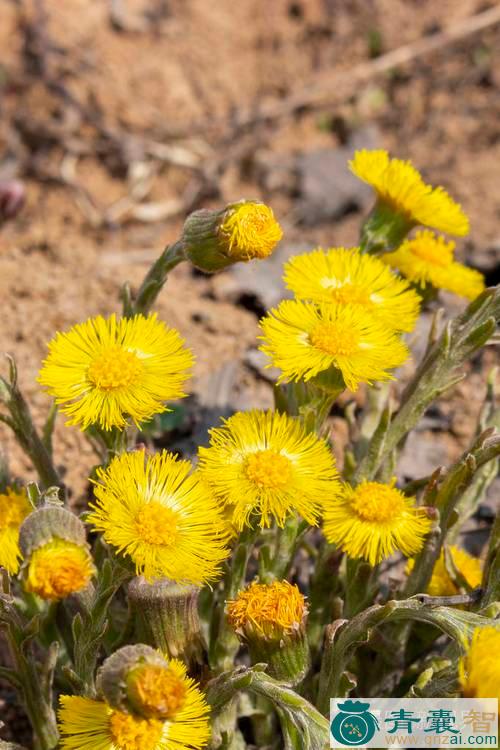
[(120, 117)]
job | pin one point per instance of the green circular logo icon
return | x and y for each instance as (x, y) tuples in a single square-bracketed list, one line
[(354, 724)]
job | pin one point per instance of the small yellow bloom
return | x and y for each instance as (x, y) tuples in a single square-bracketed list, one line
[(479, 669), (157, 691), (14, 507), (158, 513), (249, 230), (266, 464), (87, 724), (58, 569), (271, 610), (429, 259), (400, 186), (442, 584), (373, 520), (304, 339), (105, 371), (349, 278)]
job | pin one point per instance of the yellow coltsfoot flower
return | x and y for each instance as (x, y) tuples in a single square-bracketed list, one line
[(14, 508), (242, 231), (479, 669), (429, 259), (265, 464), (105, 371), (153, 510), (373, 520), (87, 724), (305, 340), (58, 569), (347, 277), (270, 619), (468, 567)]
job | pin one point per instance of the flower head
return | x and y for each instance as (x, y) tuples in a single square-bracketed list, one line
[(374, 520), (349, 278), (270, 619), (14, 507), (428, 259), (104, 371), (401, 188), (241, 231), (57, 569), (249, 230), (271, 610), (304, 340), (87, 724), (156, 512), (467, 566), (479, 669), (266, 464)]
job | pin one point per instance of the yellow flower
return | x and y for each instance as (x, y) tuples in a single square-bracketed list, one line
[(479, 669), (153, 510), (58, 569), (374, 520), (400, 187), (14, 507), (304, 339), (429, 259), (104, 371), (249, 230), (441, 583), (266, 464), (87, 724), (348, 277), (270, 610)]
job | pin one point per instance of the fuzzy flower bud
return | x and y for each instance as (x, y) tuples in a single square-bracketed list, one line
[(271, 619), (240, 232), (57, 560), (167, 615), (139, 680)]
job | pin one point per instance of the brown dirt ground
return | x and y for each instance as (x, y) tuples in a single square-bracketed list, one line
[(178, 74)]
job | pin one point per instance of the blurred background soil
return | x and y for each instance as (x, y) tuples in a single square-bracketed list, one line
[(121, 117)]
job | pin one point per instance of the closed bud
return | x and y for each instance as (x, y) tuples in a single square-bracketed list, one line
[(241, 231)]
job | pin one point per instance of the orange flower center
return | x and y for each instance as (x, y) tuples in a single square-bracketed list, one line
[(115, 368), (156, 524), (131, 733), (268, 469), (377, 503), (156, 691), (335, 339), (59, 569)]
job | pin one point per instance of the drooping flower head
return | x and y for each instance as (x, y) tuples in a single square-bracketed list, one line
[(14, 507), (56, 557), (241, 231), (349, 278), (265, 464), (105, 371), (467, 566), (87, 724), (270, 619), (429, 259), (401, 189), (479, 669), (156, 512), (303, 340), (373, 520)]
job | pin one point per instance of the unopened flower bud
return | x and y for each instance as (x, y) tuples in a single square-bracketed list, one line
[(271, 619), (139, 680), (168, 619), (240, 232), (57, 560)]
